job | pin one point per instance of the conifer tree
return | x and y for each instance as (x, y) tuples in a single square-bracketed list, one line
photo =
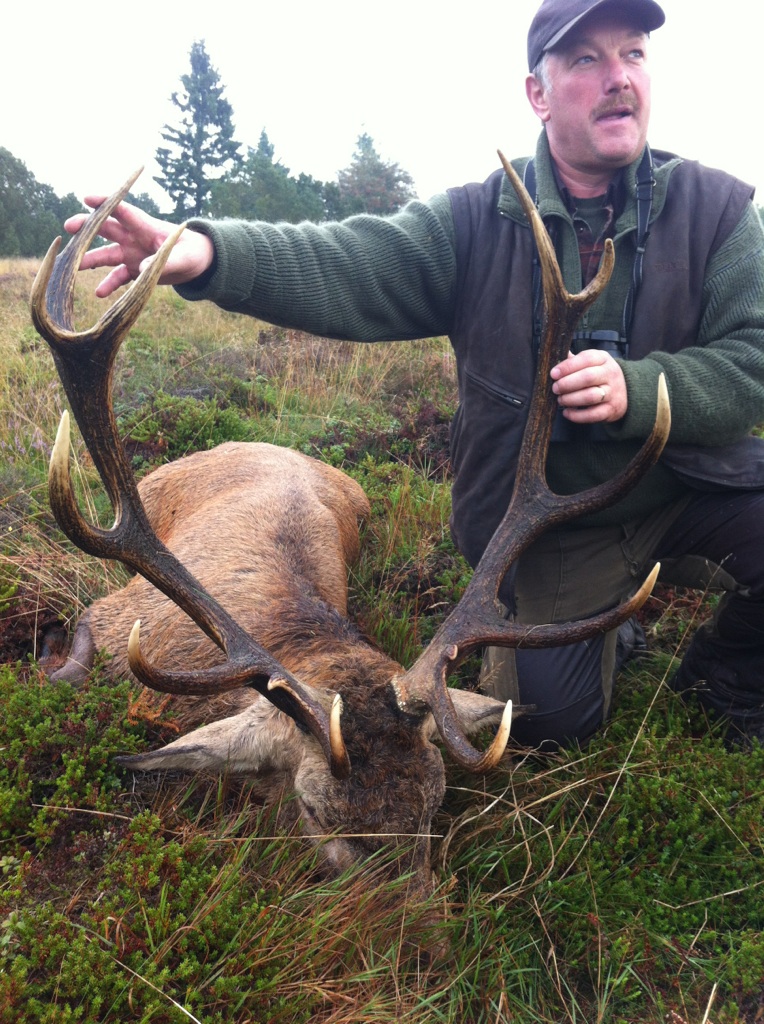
[(261, 188), (203, 143), (370, 185)]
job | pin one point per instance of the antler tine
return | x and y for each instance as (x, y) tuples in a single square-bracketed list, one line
[(562, 311), (61, 273), (85, 362), (533, 508)]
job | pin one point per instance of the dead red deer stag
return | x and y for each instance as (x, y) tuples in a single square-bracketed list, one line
[(269, 534)]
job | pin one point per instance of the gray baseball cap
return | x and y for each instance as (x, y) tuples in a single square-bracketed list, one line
[(555, 18)]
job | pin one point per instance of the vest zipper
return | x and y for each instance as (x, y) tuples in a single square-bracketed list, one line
[(505, 396)]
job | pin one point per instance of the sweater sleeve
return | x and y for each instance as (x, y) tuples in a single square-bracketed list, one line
[(716, 387), (363, 279)]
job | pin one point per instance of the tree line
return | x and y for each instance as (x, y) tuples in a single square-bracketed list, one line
[(207, 173), (30, 213)]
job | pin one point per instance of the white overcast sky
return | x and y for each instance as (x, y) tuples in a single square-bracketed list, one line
[(85, 86)]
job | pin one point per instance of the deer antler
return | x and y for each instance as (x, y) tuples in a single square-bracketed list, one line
[(85, 362), (532, 509)]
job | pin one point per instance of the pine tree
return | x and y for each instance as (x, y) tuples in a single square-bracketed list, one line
[(203, 142), (369, 185), (144, 202), (261, 188)]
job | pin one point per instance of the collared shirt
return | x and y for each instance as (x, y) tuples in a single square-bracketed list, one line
[(594, 220)]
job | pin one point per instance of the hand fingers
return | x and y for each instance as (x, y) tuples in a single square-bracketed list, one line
[(590, 414), (586, 397), (103, 256), (111, 229), (590, 405), (135, 237), (593, 390), (578, 378), (590, 358), (73, 224), (119, 276), (125, 222), (131, 219)]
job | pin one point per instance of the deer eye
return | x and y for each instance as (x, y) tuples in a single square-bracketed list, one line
[(309, 813)]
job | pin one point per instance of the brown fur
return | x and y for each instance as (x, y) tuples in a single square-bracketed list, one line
[(257, 525)]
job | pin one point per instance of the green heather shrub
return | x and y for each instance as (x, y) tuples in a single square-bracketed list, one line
[(180, 426), (8, 587), (58, 744), (163, 906)]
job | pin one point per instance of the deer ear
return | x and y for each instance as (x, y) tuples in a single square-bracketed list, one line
[(80, 659), (476, 712), (244, 744)]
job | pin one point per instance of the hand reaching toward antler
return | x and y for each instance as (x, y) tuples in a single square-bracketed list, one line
[(135, 238)]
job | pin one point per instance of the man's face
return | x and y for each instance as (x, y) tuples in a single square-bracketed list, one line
[(596, 104)]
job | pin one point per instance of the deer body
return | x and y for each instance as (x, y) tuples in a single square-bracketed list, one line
[(261, 527), (270, 534)]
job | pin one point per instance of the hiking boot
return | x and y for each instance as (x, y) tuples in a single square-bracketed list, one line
[(744, 726)]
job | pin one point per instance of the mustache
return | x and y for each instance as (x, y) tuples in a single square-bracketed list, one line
[(622, 106)]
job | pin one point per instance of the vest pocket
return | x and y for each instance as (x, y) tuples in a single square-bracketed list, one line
[(495, 390), (487, 416)]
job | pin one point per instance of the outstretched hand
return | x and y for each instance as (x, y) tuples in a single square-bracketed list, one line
[(590, 387), (135, 237)]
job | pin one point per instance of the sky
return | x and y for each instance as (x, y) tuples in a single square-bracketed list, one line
[(86, 86)]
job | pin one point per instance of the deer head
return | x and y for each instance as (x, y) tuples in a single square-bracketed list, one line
[(359, 754)]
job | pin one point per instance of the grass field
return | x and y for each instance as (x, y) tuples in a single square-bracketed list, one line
[(619, 883)]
